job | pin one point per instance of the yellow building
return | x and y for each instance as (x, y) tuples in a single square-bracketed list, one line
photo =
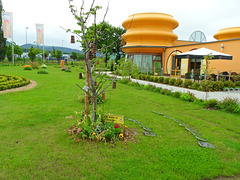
[(152, 45)]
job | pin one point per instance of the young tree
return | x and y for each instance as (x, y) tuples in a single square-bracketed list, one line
[(80, 56), (73, 55), (89, 41)]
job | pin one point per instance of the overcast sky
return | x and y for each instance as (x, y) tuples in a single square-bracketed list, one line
[(207, 16)]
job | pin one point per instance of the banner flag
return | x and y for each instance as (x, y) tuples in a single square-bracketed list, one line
[(39, 28), (7, 24)]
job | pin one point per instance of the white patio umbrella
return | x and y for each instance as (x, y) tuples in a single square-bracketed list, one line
[(200, 53)]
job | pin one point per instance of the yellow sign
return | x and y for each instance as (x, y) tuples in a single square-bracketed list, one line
[(113, 118)]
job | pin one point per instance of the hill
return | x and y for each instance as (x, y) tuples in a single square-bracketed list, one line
[(65, 50)]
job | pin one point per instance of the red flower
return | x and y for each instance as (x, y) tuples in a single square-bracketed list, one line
[(116, 126)]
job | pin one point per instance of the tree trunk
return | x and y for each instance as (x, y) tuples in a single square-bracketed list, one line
[(106, 59)]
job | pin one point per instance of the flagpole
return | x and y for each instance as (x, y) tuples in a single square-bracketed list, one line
[(43, 42), (12, 39)]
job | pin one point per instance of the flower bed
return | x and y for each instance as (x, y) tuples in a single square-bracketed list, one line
[(11, 81)]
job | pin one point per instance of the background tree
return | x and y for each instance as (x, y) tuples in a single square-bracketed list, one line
[(9, 52), (32, 53), (108, 39), (53, 53), (58, 55), (73, 55), (18, 50), (3, 46), (80, 56), (46, 53)]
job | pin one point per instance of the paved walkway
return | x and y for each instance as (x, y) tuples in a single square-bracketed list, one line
[(220, 95)]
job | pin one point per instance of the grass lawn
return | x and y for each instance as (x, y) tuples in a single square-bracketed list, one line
[(35, 144)]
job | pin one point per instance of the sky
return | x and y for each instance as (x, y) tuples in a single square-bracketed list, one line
[(207, 16)]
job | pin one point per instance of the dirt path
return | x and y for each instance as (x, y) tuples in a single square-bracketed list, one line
[(32, 84)]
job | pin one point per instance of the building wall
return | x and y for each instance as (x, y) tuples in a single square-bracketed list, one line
[(231, 47)]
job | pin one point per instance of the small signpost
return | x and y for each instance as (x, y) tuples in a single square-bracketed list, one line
[(113, 118)]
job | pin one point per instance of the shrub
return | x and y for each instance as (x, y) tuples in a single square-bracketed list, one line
[(155, 79), (230, 105), (196, 85), (168, 93), (218, 85), (143, 77), (178, 82), (207, 85), (187, 83), (140, 76), (146, 87), (160, 79), (42, 72), (229, 84), (27, 68), (172, 81), (237, 84), (124, 81), (166, 80), (152, 78), (177, 94), (67, 70), (147, 78), (34, 64), (211, 103), (163, 91), (131, 83), (151, 87), (158, 89), (187, 97), (44, 66)]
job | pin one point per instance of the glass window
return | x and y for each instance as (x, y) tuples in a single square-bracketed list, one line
[(138, 61), (159, 58), (130, 57), (147, 64)]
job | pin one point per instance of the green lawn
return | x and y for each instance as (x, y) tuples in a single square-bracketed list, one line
[(34, 142)]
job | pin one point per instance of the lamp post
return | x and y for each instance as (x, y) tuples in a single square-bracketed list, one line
[(26, 44)]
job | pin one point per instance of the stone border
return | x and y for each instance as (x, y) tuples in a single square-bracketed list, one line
[(32, 85)]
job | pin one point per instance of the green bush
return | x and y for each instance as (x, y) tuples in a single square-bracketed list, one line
[(230, 105), (187, 97), (158, 89), (152, 78), (218, 85), (143, 77), (160, 79), (172, 81), (211, 103), (237, 84), (68, 70), (178, 82), (196, 85), (207, 85), (27, 68), (42, 72), (229, 84), (168, 93), (187, 83), (155, 79), (147, 78), (131, 83), (177, 94), (166, 81), (124, 80), (163, 91), (146, 87)]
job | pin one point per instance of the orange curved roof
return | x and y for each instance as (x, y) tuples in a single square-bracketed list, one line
[(228, 33), (148, 30)]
